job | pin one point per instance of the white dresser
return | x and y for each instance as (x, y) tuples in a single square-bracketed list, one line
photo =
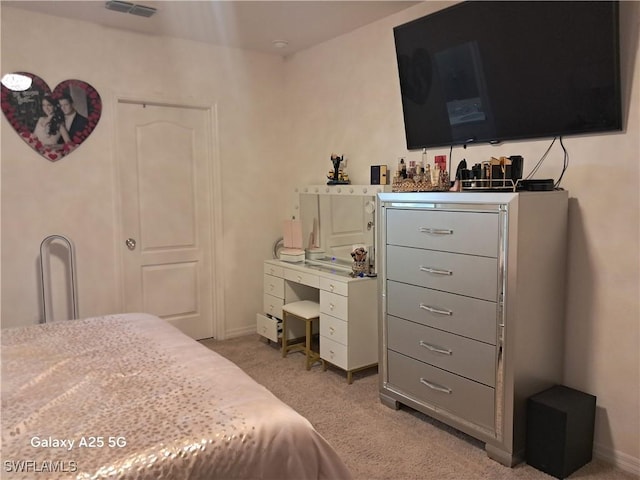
[(348, 311), (472, 307)]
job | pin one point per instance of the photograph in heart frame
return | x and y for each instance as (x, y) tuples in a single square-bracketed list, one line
[(53, 123)]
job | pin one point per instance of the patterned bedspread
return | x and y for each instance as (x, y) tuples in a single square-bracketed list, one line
[(130, 397)]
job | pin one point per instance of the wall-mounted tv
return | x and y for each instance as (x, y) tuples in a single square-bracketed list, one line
[(484, 71)]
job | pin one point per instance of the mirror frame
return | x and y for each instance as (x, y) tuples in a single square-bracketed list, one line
[(308, 224)]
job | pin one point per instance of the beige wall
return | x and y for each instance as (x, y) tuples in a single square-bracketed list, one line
[(341, 96), (344, 98), (76, 196)]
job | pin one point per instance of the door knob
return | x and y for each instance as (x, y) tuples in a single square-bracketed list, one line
[(130, 243)]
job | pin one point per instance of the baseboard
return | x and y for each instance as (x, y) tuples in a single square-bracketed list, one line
[(239, 332), (619, 460)]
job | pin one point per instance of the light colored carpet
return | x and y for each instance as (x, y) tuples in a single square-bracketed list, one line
[(377, 442)]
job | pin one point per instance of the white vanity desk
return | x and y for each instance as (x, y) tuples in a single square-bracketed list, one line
[(348, 311), (334, 219)]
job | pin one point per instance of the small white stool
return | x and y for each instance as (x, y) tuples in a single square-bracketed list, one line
[(309, 312)]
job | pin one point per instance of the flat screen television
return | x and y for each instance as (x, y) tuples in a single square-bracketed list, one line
[(487, 72)]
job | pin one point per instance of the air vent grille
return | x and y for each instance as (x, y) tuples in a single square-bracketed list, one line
[(127, 7)]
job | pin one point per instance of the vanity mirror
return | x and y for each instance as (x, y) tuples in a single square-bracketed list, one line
[(336, 219)]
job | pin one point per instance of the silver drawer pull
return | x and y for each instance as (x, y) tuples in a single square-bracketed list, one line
[(435, 231), (431, 309), (437, 271), (435, 386), (433, 348)]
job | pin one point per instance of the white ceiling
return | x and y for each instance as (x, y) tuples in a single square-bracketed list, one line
[(252, 25)]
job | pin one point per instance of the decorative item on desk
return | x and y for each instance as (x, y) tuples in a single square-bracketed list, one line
[(495, 174), (441, 162), (314, 252), (292, 238), (378, 174), (360, 266), (460, 175), (337, 175), (427, 180)]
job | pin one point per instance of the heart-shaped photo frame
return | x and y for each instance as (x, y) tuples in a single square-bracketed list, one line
[(53, 123)]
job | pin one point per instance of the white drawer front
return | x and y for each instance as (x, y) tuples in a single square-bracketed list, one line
[(334, 305), (273, 270), (330, 285), (457, 314), (334, 353), (463, 356), (302, 277), (267, 327), (462, 397), (273, 286), (461, 232), (273, 305), (333, 328), (450, 272)]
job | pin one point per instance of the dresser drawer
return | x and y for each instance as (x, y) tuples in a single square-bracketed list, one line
[(302, 277), (268, 327), (457, 314), (461, 232), (273, 305), (274, 270), (463, 356), (450, 272), (334, 352), (334, 329), (334, 305), (273, 286), (330, 285), (465, 398)]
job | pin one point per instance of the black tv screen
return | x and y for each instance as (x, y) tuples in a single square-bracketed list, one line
[(485, 71)]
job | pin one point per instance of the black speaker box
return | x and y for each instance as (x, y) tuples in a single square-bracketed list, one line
[(560, 424)]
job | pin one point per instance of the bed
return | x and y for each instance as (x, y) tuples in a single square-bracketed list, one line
[(130, 397)]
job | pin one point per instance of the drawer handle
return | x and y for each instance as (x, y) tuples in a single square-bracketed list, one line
[(299, 279), (437, 271), (433, 348), (331, 287), (331, 330), (435, 386), (431, 309), (331, 306), (435, 231)]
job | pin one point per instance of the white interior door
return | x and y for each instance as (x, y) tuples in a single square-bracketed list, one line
[(163, 163)]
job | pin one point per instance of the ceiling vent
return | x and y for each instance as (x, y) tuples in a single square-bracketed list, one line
[(127, 7), (142, 11)]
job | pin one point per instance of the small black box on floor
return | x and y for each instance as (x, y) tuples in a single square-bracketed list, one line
[(560, 424)]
